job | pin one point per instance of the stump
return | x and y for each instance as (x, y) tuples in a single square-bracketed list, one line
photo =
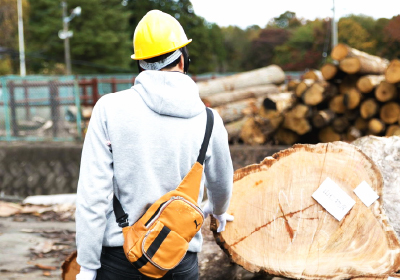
[(281, 230)]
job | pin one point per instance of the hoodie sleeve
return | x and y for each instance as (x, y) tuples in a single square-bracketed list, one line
[(94, 186), (218, 168)]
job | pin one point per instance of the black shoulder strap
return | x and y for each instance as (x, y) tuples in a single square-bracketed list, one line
[(121, 216)]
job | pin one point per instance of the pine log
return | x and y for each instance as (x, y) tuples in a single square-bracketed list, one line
[(234, 129), (292, 84), (251, 133), (237, 110), (352, 98), (376, 126), (390, 113), (336, 104), (392, 73), (300, 111), (393, 130), (319, 92), (361, 124), (341, 51), (364, 65), (340, 124), (314, 74), (385, 92), (323, 118), (281, 230), (367, 83), (303, 86), (328, 134), (281, 101), (331, 71), (222, 98), (385, 152), (272, 74), (299, 125), (286, 136), (369, 108)]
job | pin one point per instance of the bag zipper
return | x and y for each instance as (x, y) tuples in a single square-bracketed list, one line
[(165, 204)]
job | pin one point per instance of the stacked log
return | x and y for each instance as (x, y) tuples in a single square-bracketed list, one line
[(251, 104), (357, 96)]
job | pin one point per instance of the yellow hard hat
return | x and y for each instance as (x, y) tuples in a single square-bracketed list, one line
[(157, 33)]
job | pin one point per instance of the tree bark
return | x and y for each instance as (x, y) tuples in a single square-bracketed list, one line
[(376, 126), (281, 230), (303, 86), (386, 92), (237, 110), (369, 108), (314, 74), (352, 99), (364, 65), (390, 113), (234, 129), (368, 83), (272, 74), (323, 118), (392, 73), (318, 93), (223, 98)]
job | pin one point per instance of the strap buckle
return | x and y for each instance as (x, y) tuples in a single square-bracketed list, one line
[(123, 221)]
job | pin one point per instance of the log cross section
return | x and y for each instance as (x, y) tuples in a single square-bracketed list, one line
[(280, 229)]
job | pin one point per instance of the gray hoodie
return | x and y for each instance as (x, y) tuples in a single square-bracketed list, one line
[(155, 129)]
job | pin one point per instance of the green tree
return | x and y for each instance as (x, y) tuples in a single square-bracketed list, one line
[(99, 43), (392, 38), (287, 20), (354, 35)]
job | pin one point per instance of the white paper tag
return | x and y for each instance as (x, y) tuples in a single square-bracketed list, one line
[(366, 194), (336, 201)]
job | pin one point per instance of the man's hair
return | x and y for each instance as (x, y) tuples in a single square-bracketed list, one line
[(164, 56)]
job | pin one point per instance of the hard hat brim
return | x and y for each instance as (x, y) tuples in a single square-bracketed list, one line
[(134, 57)]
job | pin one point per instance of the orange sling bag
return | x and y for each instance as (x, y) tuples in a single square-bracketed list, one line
[(159, 240)]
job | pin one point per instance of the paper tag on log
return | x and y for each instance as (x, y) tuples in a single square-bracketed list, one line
[(336, 201), (366, 194)]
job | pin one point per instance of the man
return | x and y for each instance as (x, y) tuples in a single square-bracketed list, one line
[(140, 144)]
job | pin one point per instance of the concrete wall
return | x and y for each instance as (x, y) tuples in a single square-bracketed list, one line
[(31, 168)]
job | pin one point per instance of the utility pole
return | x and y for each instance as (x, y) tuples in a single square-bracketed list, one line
[(334, 27), (67, 53), (22, 66)]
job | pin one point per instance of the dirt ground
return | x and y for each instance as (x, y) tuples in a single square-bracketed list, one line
[(33, 248)]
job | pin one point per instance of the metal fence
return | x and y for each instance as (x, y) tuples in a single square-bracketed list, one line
[(39, 108)]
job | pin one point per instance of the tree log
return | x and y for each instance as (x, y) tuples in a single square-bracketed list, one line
[(384, 152), (340, 124), (390, 113), (319, 92), (280, 102), (251, 133), (303, 86), (222, 98), (237, 110), (369, 108), (299, 125), (331, 71), (234, 129), (393, 130), (314, 74), (286, 136), (392, 73), (361, 124), (349, 82), (353, 133), (376, 126), (292, 84), (281, 230), (352, 98), (364, 65), (336, 104), (323, 118), (367, 83), (272, 74), (385, 92), (328, 134)]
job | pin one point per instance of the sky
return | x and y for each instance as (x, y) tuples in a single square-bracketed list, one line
[(244, 13)]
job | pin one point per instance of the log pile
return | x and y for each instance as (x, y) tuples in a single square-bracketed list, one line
[(280, 229), (356, 97)]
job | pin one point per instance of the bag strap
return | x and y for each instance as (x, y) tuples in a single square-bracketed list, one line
[(121, 216)]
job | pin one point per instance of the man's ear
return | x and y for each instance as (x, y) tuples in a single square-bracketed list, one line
[(181, 63)]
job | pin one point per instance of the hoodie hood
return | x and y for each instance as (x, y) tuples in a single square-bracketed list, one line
[(169, 93)]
